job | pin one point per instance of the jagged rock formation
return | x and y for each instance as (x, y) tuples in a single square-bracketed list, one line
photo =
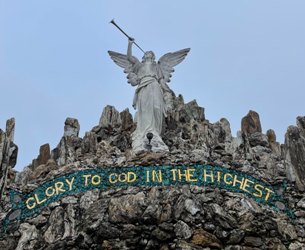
[(185, 217), (295, 153), (8, 155)]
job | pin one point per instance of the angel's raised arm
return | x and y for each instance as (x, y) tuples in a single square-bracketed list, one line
[(129, 51)]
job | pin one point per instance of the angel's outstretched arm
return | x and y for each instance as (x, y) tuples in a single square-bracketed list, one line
[(129, 51)]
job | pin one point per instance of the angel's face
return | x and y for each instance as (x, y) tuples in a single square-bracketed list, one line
[(149, 56)]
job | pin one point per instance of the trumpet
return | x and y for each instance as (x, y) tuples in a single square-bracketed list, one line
[(113, 22)]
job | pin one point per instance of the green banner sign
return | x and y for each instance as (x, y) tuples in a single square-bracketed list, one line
[(30, 204)]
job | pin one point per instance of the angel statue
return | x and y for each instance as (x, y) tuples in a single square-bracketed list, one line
[(153, 97)]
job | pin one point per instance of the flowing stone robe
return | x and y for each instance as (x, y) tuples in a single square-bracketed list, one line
[(150, 103)]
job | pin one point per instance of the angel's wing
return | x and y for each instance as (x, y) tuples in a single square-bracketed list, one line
[(130, 69), (167, 62)]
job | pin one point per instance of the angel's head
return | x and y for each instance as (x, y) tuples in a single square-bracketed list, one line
[(149, 56)]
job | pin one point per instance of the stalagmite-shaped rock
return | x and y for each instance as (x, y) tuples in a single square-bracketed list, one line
[(274, 145), (271, 136), (89, 143), (251, 123), (252, 130), (43, 157), (110, 117), (194, 111), (126, 119), (295, 153), (71, 127), (70, 144), (8, 153), (227, 129)]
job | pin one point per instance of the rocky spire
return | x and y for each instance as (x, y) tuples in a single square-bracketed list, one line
[(295, 153), (69, 145), (8, 153), (251, 123), (110, 117)]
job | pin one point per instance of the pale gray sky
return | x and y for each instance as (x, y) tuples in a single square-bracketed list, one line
[(54, 62)]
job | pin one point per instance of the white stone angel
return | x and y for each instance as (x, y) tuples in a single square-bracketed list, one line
[(152, 97)]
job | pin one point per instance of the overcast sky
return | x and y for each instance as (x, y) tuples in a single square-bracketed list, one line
[(245, 55)]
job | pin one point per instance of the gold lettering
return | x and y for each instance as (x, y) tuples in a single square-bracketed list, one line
[(96, 179), (268, 193), (157, 176), (113, 180), (205, 175), (225, 179), (130, 176), (190, 174), (218, 176), (174, 173), (47, 191), (86, 178), (37, 199), (28, 201), (58, 187), (246, 185), (258, 188), (180, 175), (124, 178), (147, 176), (240, 182), (70, 183)]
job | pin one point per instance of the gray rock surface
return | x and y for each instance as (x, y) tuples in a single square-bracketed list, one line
[(71, 127), (177, 217), (8, 156), (251, 123), (43, 157), (110, 117), (69, 146), (295, 153), (29, 237)]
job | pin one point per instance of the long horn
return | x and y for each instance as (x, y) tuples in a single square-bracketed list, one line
[(113, 22)]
